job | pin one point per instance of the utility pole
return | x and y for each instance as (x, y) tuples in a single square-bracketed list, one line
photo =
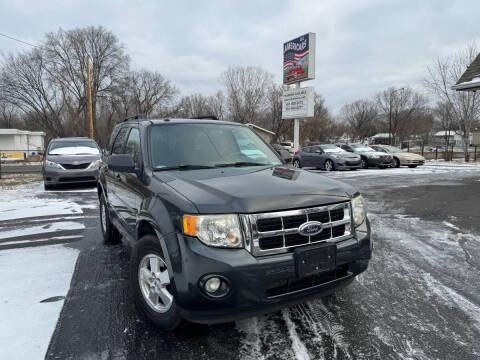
[(89, 90)]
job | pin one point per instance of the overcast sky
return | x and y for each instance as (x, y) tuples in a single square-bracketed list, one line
[(362, 46)]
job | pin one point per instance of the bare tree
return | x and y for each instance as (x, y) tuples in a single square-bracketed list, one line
[(24, 83), (400, 107), (150, 91), (443, 114), (464, 105), (318, 128), (273, 114), (246, 88), (361, 117), (66, 52)]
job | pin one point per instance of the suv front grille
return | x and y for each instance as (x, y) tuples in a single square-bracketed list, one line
[(277, 232)]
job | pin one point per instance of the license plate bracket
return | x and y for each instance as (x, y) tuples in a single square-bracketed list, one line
[(310, 261)]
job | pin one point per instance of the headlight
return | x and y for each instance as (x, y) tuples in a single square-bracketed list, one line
[(54, 164), (359, 210), (214, 230), (95, 164)]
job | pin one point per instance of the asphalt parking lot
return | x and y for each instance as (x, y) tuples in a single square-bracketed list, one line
[(419, 299)]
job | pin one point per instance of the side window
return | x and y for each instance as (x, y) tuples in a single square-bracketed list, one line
[(306, 149), (112, 139), (119, 141), (133, 146)]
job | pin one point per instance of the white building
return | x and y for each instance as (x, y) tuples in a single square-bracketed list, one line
[(19, 144)]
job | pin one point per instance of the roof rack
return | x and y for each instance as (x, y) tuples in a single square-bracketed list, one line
[(136, 117), (207, 117)]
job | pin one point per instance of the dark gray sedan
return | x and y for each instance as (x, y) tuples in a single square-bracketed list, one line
[(71, 161), (328, 157)]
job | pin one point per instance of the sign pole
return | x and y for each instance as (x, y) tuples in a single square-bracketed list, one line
[(296, 129)]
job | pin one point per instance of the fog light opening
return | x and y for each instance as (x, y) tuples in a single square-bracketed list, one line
[(214, 286)]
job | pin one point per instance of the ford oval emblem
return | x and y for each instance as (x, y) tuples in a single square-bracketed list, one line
[(310, 228)]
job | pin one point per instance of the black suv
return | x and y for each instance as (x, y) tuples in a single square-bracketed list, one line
[(220, 228)]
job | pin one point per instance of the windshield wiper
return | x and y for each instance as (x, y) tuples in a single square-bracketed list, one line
[(241, 163), (184, 167)]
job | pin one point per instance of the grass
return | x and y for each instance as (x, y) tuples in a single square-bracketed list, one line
[(8, 181)]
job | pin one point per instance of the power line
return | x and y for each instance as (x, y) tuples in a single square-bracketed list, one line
[(21, 41)]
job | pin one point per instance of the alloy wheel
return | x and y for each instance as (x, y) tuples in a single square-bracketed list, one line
[(296, 164), (328, 165), (154, 282)]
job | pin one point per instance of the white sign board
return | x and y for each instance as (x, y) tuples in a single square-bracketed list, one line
[(298, 103)]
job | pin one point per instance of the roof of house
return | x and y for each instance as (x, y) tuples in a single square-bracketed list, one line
[(470, 80), (446, 133), (260, 128), (381, 136), (20, 132)]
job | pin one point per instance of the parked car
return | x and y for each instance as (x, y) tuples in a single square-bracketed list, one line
[(401, 157), (327, 156), (369, 156), (288, 145), (217, 235), (70, 161), (284, 154)]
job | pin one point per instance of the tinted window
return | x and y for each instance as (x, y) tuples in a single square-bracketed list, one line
[(119, 141), (207, 145), (133, 145), (306, 149)]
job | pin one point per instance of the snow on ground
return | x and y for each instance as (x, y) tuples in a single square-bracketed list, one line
[(29, 276), (31, 216), (23, 202), (429, 168)]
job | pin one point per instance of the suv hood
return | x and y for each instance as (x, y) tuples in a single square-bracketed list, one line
[(251, 190)]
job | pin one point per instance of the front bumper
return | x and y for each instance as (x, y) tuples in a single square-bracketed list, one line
[(379, 162), (412, 162), (258, 284), (53, 176), (347, 165)]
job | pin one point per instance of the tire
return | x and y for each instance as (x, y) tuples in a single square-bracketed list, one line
[(165, 317), (412, 166), (329, 165), (396, 163), (296, 163), (48, 187), (110, 233), (364, 164)]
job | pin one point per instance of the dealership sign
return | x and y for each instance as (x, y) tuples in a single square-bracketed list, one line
[(299, 59), (298, 103)]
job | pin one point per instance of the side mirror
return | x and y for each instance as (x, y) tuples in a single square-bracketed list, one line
[(121, 163)]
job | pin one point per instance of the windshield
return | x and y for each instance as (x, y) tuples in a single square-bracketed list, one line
[(392, 149), (329, 149), (359, 147), (80, 147), (207, 145)]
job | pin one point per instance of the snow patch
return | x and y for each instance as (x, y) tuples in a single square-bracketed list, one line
[(299, 348), (30, 275), (42, 229)]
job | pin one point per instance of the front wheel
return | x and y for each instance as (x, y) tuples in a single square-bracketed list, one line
[(150, 280), (297, 164), (329, 166), (364, 164), (396, 163)]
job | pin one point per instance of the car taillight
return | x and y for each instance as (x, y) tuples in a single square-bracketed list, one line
[(296, 152)]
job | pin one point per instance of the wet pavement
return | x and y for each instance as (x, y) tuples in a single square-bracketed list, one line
[(419, 299)]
